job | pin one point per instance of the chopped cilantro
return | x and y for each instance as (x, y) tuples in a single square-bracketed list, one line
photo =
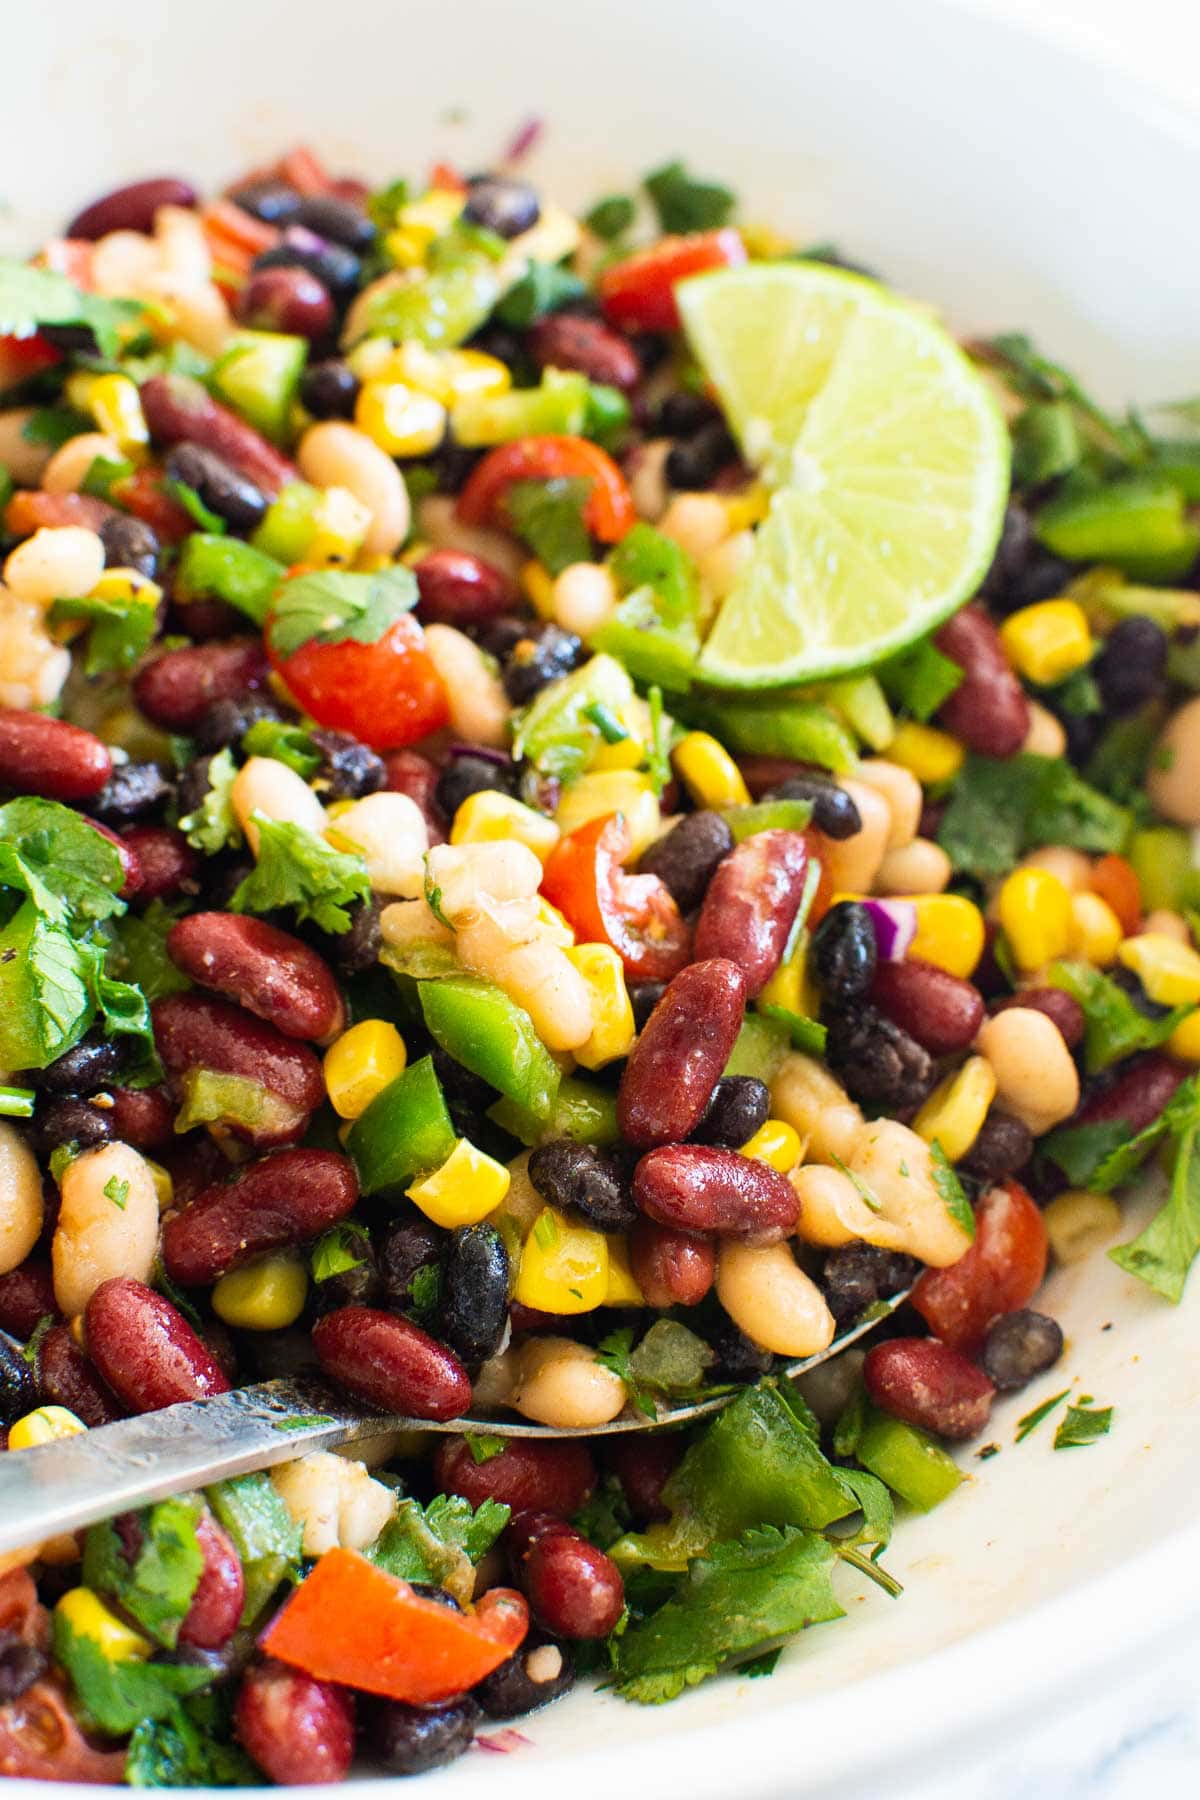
[(425, 1292), (301, 1422), (139, 951), (1115, 1028), (297, 869), (866, 1194), (606, 722), (103, 475), (201, 515), (1083, 1425), (1163, 1252), (335, 606), (213, 826), (385, 203), (338, 1250), (440, 1542), (998, 810), (1031, 1420), (950, 1189), (758, 1666), (548, 517), (16, 1102), (191, 1747), (685, 204), (30, 298), (116, 1697), (544, 288), (157, 1586), (116, 1190), (611, 216), (658, 751), (289, 744), (121, 629)]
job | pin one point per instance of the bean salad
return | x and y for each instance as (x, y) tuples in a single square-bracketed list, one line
[(440, 951)]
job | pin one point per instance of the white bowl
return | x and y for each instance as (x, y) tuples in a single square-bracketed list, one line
[(979, 167)]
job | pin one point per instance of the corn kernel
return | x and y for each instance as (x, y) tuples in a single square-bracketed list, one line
[(791, 986), (471, 373), (164, 1186), (467, 1187), (373, 359), (955, 1111), (1184, 1041), (564, 1267), (613, 1029), (1095, 930), (45, 1426), (1034, 910), (88, 1617), (708, 772), (490, 817), (340, 523), (610, 791), (748, 508), (1078, 1222), (400, 419), (127, 584), (361, 1064), (950, 932), (552, 924), (622, 1289), (1048, 641), (116, 406), (538, 586), (267, 1295), (929, 754), (1168, 970), (776, 1143)]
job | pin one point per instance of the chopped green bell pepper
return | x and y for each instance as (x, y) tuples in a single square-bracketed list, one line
[(263, 1533), (558, 733), (1162, 861), (258, 374), (557, 406), (655, 628), (582, 1110), (862, 703), (759, 1048), (477, 1024), (290, 523), (405, 1131), (766, 815), (607, 417), (801, 730), (908, 1460), (1124, 522), (440, 308), (225, 568)]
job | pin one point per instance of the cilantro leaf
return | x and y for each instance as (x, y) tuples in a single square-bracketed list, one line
[(425, 1292), (55, 426), (1162, 1254), (121, 629), (544, 288), (156, 1589), (950, 1189), (998, 810), (335, 606), (190, 1748), (337, 1251), (67, 868), (548, 518), (114, 1697), (117, 1191), (610, 216), (685, 204), (1036, 378), (289, 744), (212, 825), (1082, 1426), (44, 1001), (201, 515), (138, 952), (1114, 1027), (31, 297), (297, 869), (1031, 1420), (1104, 1156), (440, 1542)]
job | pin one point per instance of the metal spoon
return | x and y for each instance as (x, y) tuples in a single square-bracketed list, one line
[(74, 1482)]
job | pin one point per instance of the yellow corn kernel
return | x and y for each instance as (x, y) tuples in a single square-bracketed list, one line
[(791, 986), (1048, 641), (127, 584), (1034, 910), (929, 754), (538, 585), (164, 1186), (628, 751), (267, 1295), (949, 932), (748, 508), (764, 243), (564, 1267), (708, 772), (1168, 970), (1184, 1041), (775, 1142), (88, 1617), (361, 1064), (491, 817), (622, 1289), (1095, 930), (610, 791), (45, 1426), (613, 1029), (116, 406), (340, 523), (955, 1111), (553, 924), (467, 1187), (374, 359), (400, 419), (472, 373), (1078, 1222), (434, 212)]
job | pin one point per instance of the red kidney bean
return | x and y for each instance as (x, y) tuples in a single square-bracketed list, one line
[(131, 872), (205, 619), (531, 1318), (390, 1363), (179, 411), (459, 589), (574, 1590), (1060, 1008), (145, 1349), (762, 773), (527, 1475), (678, 1057), (1001, 1272), (296, 1728), (929, 1384), (67, 1378), (751, 904), (278, 1201), (408, 772), (940, 1011), (193, 1031), (40, 755), (288, 300), (166, 861), (569, 341), (672, 1268), (1136, 1097), (988, 710), (643, 1464), (26, 1298), (269, 971), (698, 1187), (30, 509), (525, 1528), (143, 1117), (176, 689), (131, 208), (216, 1608)]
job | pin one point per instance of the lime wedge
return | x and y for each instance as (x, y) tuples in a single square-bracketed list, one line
[(887, 457)]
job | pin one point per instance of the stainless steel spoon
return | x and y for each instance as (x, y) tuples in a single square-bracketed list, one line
[(76, 1481)]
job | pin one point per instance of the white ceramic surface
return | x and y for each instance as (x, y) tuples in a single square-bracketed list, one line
[(1019, 187)]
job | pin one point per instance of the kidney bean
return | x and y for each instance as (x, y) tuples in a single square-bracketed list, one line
[(643, 1464), (459, 589), (129, 544), (594, 1182), (269, 971), (941, 1012), (694, 1187), (290, 300), (527, 1475), (1059, 1007), (409, 1740), (131, 208), (843, 954), (677, 1060), (26, 1298), (1004, 1146), (48, 757), (216, 1608), (391, 1363), (143, 1117), (221, 487), (193, 1031), (930, 1385), (408, 772), (278, 1201), (574, 1590), (537, 1673), (1019, 1346), (988, 710), (751, 904), (296, 1728), (740, 1105), (686, 858), (570, 341), (176, 689), (338, 219), (1000, 1273), (166, 861), (474, 1310), (145, 1349), (672, 1268), (1137, 1096), (179, 411), (67, 1378)]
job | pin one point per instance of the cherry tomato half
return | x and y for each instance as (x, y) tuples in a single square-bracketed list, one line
[(635, 914), (609, 512), (639, 293), (387, 693), (1000, 1273)]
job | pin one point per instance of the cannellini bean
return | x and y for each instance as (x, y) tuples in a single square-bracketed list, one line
[(183, 251), (808, 1098), (895, 1164), (560, 1383), (1045, 736), (1036, 1078), (771, 1299), (33, 668), (334, 454), (335, 1500), (1173, 781), (389, 832), (493, 1386), (853, 862), (266, 786), (438, 522), (902, 794), (199, 315), (648, 478), (21, 1208), (720, 567), (479, 709), (585, 595), (65, 471), (23, 460), (1072, 867), (1164, 923), (107, 1224), (696, 522), (407, 922), (124, 263), (505, 944), (833, 1212), (921, 867), (62, 562), (468, 873)]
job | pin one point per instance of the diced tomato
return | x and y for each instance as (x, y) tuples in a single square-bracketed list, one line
[(387, 693), (1000, 1273), (639, 293), (445, 175), (29, 510), (635, 914), (143, 495), (234, 236), (1116, 882), (609, 512), (22, 357)]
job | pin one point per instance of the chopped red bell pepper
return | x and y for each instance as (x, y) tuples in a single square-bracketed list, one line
[(387, 693), (1000, 1273), (22, 357), (638, 294), (143, 494), (635, 914), (609, 512)]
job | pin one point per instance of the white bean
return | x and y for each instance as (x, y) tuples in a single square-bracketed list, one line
[(21, 1208), (389, 832), (585, 596), (107, 1224), (479, 708), (1071, 867), (506, 944), (720, 567), (560, 1383), (896, 1166), (493, 870), (183, 250), (62, 562), (854, 862), (771, 1299), (1077, 1223), (1036, 1078), (124, 263), (1173, 781), (335, 1500), (1045, 736), (408, 922), (23, 460), (922, 867), (334, 454), (901, 793), (808, 1098), (65, 471), (33, 668), (648, 478), (833, 1212), (1164, 923), (266, 786), (696, 522), (439, 524)]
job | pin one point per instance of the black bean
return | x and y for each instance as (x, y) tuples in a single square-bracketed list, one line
[(740, 1106), (738, 1357), (408, 1246), (461, 1086), (354, 951), (408, 1740), (70, 1121), (1020, 1345), (842, 954), (644, 996), (337, 220), (274, 202), (694, 462), (832, 257), (221, 487), (466, 775), (1018, 543), (1003, 1146), (360, 1286), (878, 1064), (130, 544), (595, 1183), (501, 635), (1132, 667), (329, 389), (193, 784), (506, 207), (1084, 731), (134, 790), (429, 1590), (686, 857), (834, 812), (452, 464), (86, 1067), (1042, 578), (514, 1688), (474, 1308), (684, 414), (507, 346), (348, 769), (18, 1383), (537, 659), (225, 722), (332, 264), (858, 1275), (21, 1665), (1150, 1009)]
